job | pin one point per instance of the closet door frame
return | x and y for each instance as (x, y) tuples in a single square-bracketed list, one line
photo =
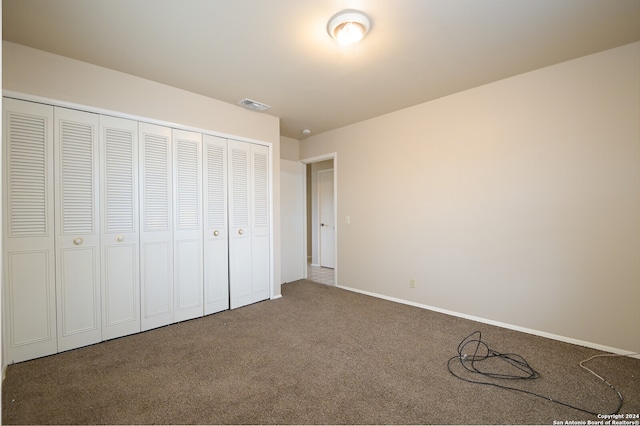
[(97, 255)]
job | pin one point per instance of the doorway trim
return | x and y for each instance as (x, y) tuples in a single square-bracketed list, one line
[(331, 156)]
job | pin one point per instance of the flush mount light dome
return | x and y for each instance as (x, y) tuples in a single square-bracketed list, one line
[(348, 26)]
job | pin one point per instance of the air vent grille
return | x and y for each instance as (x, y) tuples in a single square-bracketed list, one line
[(254, 105)]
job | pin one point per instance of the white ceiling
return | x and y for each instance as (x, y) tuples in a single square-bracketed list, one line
[(278, 51)]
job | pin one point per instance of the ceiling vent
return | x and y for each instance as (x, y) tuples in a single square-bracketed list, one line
[(254, 105)]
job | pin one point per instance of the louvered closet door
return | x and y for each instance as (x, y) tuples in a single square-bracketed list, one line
[(240, 271), (260, 212), (188, 228), (216, 260), (29, 262), (77, 233), (249, 235), (156, 225), (120, 236)]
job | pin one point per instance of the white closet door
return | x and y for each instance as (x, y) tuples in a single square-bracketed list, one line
[(120, 236), (240, 271), (188, 228), (260, 212), (216, 260), (77, 236), (29, 259), (249, 219), (156, 225)]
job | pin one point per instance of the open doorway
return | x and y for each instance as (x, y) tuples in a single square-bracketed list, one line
[(321, 214)]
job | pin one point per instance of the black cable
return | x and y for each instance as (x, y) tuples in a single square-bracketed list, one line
[(472, 351)]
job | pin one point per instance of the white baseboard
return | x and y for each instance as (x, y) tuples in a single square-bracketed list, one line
[(497, 323)]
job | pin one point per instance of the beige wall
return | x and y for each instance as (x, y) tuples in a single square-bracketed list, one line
[(37, 73), (289, 149), (517, 202)]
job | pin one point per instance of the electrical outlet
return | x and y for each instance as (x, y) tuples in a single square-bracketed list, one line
[(412, 283)]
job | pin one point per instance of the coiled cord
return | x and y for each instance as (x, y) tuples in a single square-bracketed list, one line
[(472, 351)]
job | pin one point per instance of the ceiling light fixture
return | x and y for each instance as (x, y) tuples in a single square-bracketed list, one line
[(348, 27)]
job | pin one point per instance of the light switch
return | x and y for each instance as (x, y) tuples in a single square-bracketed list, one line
[(348, 220)]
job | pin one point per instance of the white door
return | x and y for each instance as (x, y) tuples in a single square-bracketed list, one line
[(260, 214), (292, 214), (120, 236), (77, 236), (240, 271), (156, 225), (188, 229), (216, 259), (326, 216), (29, 258), (249, 223)]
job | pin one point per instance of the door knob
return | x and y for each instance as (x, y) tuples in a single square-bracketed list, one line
[(216, 233), (240, 231), (77, 241), (120, 238)]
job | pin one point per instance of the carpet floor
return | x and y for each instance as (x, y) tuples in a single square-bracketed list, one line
[(318, 355)]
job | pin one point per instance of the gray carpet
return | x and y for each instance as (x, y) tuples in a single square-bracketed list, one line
[(318, 355)]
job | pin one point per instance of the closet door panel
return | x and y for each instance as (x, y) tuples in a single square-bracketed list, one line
[(260, 212), (30, 295), (120, 236), (80, 310), (157, 262), (216, 257), (121, 306), (77, 234), (189, 275), (156, 225), (240, 271), (188, 246), (29, 259)]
